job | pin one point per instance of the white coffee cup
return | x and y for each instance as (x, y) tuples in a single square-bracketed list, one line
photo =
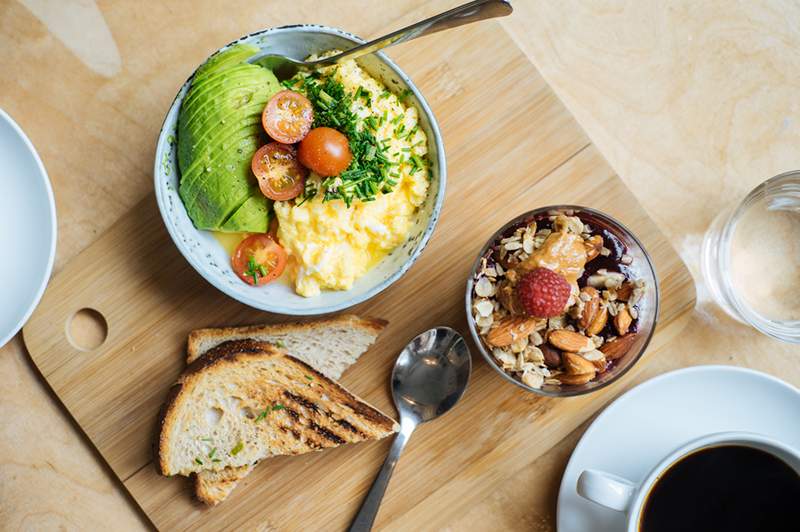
[(622, 495)]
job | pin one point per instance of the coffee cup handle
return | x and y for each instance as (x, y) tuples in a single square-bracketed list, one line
[(606, 489)]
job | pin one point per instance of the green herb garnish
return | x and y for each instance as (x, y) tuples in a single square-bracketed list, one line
[(254, 269), (236, 450), (264, 413), (211, 454), (370, 165), (200, 462), (365, 95), (309, 377)]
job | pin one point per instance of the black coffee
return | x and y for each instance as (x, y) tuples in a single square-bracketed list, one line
[(729, 488)]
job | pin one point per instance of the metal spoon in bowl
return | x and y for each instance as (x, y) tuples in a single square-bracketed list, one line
[(286, 67), (429, 377)]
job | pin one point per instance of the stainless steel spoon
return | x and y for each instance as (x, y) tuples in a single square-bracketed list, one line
[(286, 67), (429, 377)]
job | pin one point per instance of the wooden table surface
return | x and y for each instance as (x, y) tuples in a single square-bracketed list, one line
[(692, 104)]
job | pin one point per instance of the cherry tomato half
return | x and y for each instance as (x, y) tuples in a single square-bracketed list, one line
[(325, 151), (259, 260), (280, 176), (288, 116)]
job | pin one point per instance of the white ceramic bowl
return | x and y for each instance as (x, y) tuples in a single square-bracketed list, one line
[(209, 258), (27, 228)]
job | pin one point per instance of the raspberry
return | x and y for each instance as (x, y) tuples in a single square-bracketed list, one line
[(543, 293)]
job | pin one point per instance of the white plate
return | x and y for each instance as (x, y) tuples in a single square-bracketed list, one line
[(641, 427), (27, 228)]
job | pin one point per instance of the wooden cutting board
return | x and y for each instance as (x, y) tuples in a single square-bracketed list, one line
[(511, 146)]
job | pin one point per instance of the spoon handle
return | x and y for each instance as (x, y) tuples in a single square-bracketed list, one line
[(458, 16), (369, 508)]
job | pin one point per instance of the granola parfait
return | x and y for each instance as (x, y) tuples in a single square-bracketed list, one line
[(557, 299)]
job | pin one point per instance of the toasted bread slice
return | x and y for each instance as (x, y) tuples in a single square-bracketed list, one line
[(330, 346), (247, 400), (353, 336), (213, 487)]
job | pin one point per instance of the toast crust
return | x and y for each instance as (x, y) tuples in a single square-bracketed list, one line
[(243, 351), (373, 326)]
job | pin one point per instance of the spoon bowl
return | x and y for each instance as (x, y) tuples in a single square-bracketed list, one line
[(431, 374)]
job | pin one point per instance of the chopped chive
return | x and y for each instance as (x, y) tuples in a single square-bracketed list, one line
[(325, 97), (236, 450), (200, 462)]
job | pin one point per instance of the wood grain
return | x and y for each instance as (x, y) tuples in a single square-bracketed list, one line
[(604, 58), (151, 299)]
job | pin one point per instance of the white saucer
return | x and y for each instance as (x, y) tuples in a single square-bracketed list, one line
[(642, 426), (27, 228)]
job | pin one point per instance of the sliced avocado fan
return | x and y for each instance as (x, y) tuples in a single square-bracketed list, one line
[(218, 133)]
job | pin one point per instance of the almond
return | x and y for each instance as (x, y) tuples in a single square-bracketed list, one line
[(590, 308), (577, 365), (552, 356), (597, 358), (624, 292), (577, 379), (593, 246), (570, 341), (599, 322), (510, 329), (618, 346), (622, 321)]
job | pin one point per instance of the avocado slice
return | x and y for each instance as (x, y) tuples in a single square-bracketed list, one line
[(215, 80), (223, 188), (251, 217), (236, 54), (202, 96), (235, 151), (219, 130), (234, 99)]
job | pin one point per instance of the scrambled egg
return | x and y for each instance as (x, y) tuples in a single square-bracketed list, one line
[(331, 245)]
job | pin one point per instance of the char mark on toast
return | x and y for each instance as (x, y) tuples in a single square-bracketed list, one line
[(327, 434)]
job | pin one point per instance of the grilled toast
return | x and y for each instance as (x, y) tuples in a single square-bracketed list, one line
[(330, 345), (246, 400)]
